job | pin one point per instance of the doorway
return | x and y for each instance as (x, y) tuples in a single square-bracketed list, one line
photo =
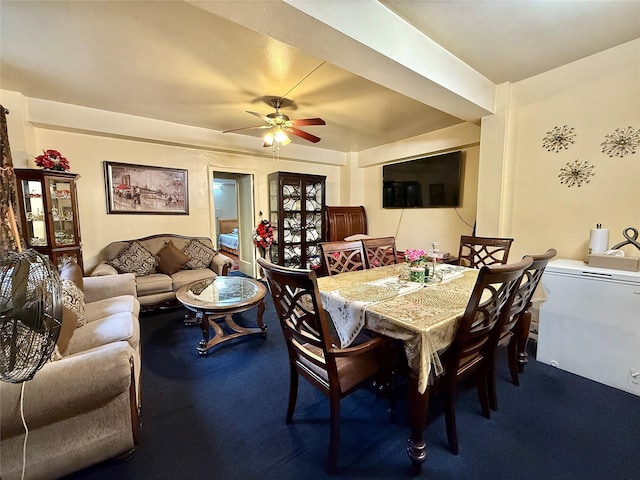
[(232, 198)]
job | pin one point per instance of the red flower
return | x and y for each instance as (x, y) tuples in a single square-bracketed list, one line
[(263, 236), (52, 160)]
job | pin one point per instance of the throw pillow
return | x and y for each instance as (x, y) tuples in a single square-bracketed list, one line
[(199, 253), (135, 259), (73, 299), (171, 259)]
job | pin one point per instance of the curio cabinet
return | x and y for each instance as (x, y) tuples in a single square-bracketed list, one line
[(49, 213), (296, 203)]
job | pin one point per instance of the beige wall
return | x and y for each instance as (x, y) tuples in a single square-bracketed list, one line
[(511, 183), (595, 95)]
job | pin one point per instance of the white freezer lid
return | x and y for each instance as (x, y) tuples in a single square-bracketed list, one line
[(580, 268)]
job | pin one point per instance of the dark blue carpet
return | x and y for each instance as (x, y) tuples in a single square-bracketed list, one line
[(222, 417)]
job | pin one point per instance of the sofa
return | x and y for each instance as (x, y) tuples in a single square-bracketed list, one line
[(162, 264), (82, 407)]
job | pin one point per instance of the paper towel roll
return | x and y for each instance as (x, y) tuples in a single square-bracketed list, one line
[(599, 240)]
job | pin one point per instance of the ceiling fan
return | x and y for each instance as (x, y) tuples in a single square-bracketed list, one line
[(280, 125)]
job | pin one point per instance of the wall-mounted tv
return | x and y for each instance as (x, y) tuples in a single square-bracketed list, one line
[(428, 182)]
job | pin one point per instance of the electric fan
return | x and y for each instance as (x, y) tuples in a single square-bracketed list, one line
[(30, 314)]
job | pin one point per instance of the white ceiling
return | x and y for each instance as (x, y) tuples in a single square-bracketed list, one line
[(204, 63)]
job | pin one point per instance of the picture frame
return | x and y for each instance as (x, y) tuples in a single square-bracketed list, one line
[(144, 189)]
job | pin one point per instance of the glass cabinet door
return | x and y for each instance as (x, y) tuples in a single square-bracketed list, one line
[(62, 215), (34, 210)]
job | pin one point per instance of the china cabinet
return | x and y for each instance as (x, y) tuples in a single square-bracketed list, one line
[(296, 204), (49, 213)]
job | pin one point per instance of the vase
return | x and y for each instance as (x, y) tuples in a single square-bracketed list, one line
[(416, 274)]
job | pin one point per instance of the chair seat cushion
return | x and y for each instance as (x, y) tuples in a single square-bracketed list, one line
[(351, 370)]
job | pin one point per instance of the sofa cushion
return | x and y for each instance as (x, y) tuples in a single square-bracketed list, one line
[(111, 306), (116, 327), (73, 299), (153, 283), (135, 259), (200, 254), (171, 259), (184, 277)]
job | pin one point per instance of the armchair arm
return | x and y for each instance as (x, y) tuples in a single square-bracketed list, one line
[(68, 387), (99, 288), (103, 268), (221, 264)]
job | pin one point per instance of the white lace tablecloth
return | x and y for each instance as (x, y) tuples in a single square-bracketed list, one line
[(423, 316)]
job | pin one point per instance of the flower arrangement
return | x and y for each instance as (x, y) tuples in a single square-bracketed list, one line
[(263, 236), (415, 257), (52, 160)]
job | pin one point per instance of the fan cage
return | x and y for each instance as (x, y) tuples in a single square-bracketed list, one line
[(31, 305)]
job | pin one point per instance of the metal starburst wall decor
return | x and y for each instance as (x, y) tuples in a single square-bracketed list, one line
[(621, 142), (559, 138), (576, 173)]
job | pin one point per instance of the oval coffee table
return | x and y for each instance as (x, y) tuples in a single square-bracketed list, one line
[(219, 298)]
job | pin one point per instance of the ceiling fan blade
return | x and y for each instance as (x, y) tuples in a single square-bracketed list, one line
[(246, 128), (299, 133), (259, 115), (308, 121)]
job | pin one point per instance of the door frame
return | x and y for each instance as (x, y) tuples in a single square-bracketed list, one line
[(248, 259)]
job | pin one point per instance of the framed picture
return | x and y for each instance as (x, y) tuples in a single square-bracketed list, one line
[(144, 189)]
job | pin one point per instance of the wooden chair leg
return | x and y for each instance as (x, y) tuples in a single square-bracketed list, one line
[(483, 378), (293, 395), (450, 421), (522, 333), (491, 382), (334, 434), (512, 355)]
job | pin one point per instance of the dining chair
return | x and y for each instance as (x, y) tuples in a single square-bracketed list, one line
[(343, 256), (491, 299), (311, 344), (380, 251), (475, 252), (518, 322)]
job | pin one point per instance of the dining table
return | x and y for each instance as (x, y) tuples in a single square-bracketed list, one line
[(424, 316)]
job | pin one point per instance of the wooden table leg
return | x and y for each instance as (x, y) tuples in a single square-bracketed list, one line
[(418, 405), (203, 321), (261, 308), (220, 336), (522, 337)]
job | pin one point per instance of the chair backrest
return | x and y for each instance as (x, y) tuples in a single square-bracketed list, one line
[(343, 256), (527, 288), (476, 252), (304, 322), (380, 251), (491, 299)]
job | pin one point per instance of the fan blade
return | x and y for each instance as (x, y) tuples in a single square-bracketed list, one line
[(308, 121), (259, 115), (299, 133), (246, 128)]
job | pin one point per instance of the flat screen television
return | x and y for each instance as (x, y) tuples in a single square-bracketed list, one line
[(428, 182)]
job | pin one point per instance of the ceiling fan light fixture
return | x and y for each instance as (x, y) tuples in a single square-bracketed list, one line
[(268, 139), (281, 137)]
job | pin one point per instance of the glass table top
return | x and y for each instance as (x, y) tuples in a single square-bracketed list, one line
[(223, 291)]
